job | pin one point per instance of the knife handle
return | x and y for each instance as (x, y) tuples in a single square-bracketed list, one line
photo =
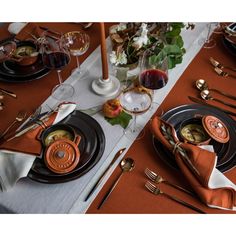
[(9, 93)]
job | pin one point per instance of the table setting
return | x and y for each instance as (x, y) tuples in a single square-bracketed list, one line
[(85, 139)]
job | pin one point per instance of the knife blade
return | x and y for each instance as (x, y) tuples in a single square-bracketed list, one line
[(104, 173), (199, 101)]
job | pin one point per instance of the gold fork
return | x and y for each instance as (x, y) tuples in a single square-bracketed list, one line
[(223, 73), (215, 63), (158, 179), (155, 190)]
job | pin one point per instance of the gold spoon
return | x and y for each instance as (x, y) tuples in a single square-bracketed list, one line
[(205, 94), (201, 84), (126, 165), (19, 118)]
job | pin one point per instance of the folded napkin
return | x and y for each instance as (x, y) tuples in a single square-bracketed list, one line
[(18, 155), (25, 31), (198, 164)]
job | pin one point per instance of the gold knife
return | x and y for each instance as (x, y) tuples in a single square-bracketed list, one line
[(27, 129), (199, 101), (104, 173), (9, 93)]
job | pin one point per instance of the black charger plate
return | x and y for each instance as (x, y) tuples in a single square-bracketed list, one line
[(11, 71), (229, 46), (226, 152), (92, 146)]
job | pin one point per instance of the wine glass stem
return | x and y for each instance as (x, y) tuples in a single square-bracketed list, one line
[(134, 123), (59, 76), (208, 33), (77, 61)]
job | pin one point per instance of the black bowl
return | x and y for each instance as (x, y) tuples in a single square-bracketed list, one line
[(55, 132)]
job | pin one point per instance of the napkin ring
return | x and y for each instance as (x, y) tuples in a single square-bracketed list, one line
[(42, 124), (176, 147)]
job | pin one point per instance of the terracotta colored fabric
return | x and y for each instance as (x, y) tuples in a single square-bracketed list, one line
[(29, 142), (203, 162), (40, 89), (30, 30), (130, 195)]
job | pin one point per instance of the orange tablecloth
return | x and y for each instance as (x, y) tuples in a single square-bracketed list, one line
[(130, 195), (31, 94)]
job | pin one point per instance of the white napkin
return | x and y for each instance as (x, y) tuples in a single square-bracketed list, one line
[(218, 179), (15, 165), (16, 27)]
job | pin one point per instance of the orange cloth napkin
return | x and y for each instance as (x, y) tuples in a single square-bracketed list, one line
[(29, 30), (29, 142), (17, 156), (198, 165)]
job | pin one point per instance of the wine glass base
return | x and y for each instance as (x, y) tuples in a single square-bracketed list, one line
[(62, 92), (132, 132), (209, 43)]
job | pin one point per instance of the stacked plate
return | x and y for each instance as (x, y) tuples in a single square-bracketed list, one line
[(226, 152), (230, 43), (11, 71), (91, 148)]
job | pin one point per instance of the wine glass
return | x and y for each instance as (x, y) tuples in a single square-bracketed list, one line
[(135, 101), (56, 56), (78, 43), (153, 71)]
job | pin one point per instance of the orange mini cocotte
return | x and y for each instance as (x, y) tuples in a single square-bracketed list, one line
[(112, 108)]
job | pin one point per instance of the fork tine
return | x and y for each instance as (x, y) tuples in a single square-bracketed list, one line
[(151, 187), (150, 174)]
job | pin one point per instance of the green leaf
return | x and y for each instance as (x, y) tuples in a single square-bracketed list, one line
[(122, 119), (172, 49), (174, 32), (179, 41)]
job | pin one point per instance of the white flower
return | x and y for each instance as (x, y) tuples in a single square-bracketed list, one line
[(142, 39), (119, 27), (118, 58)]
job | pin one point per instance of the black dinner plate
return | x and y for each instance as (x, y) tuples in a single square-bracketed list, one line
[(226, 152), (92, 146), (11, 71), (231, 47)]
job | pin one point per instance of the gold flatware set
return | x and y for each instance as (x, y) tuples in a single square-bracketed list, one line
[(157, 191), (218, 67)]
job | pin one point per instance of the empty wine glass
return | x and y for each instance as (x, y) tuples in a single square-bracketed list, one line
[(135, 101), (78, 43), (153, 71), (55, 56)]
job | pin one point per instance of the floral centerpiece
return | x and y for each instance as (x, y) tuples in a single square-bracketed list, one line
[(130, 40)]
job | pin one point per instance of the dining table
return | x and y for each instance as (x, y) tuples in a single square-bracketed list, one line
[(130, 196)]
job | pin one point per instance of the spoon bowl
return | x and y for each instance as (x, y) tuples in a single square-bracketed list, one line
[(201, 84), (206, 95), (127, 164)]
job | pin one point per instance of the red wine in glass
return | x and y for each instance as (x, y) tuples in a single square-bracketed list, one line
[(56, 60), (153, 79)]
